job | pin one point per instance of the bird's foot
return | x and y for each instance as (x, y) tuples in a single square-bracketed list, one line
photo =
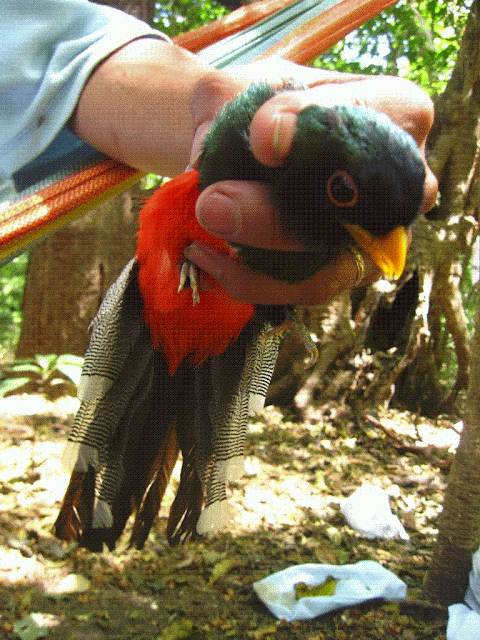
[(292, 323), (189, 277), (307, 342)]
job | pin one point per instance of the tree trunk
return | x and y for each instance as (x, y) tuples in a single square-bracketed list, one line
[(459, 525), (454, 158), (69, 272)]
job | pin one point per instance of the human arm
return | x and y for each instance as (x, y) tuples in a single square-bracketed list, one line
[(163, 117), (48, 50)]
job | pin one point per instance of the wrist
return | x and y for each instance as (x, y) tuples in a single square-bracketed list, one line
[(135, 107)]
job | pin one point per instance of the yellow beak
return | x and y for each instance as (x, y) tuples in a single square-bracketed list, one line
[(388, 252)]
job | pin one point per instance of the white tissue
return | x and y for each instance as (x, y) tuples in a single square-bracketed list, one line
[(463, 623), (367, 511)]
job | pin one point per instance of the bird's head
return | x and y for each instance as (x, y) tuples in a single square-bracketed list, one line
[(351, 173), (352, 176)]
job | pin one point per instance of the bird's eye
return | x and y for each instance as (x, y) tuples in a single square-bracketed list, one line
[(342, 190)]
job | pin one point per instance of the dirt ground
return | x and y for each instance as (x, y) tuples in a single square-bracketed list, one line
[(288, 513)]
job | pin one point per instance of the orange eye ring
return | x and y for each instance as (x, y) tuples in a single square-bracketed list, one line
[(343, 175)]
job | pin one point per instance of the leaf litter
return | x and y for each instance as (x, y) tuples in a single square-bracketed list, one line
[(288, 512)]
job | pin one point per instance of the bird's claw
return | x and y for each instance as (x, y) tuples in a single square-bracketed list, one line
[(291, 323), (189, 272), (308, 343)]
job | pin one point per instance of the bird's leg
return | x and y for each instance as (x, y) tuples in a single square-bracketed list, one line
[(189, 272), (291, 323), (307, 342)]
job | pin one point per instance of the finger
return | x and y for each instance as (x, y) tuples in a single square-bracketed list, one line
[(273, 126), (197, 144), (241, 212), (217, 88), (246, 285)]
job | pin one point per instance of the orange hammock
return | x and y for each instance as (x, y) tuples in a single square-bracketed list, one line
[(37, 215)]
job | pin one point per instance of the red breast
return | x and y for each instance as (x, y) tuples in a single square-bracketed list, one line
[(168, 225)]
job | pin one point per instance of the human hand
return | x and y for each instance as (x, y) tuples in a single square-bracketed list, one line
[(241, 212)]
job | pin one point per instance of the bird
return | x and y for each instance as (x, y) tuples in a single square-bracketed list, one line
[(171, 368)]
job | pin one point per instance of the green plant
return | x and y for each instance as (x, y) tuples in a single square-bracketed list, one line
[(12, 280), (52, 375), (177, 16), (414, 39)]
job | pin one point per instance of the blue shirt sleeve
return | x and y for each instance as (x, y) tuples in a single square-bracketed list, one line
[(48, 49)]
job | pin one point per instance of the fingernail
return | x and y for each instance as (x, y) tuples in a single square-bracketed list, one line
[(284, 126), (219, 214)]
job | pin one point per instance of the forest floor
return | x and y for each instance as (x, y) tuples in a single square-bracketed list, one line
[(288, 507)]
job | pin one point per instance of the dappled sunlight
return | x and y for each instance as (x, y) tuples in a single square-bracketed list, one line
[(287, 512)]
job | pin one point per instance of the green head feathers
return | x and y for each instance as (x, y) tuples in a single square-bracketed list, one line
[(348, 166)]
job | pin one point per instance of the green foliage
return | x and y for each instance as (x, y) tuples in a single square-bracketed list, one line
[(177, 16), (152, 181), (12, 280), (48, 374), (414, 39)]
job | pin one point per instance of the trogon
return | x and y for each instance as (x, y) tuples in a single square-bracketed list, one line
[(167, 371)]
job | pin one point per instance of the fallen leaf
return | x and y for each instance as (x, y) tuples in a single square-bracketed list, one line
[(35, 625), (258, 634), (325, 588), (221, 568), (181, 630)]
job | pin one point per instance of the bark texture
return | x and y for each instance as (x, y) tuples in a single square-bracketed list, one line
[(69, 273), (459, 525)]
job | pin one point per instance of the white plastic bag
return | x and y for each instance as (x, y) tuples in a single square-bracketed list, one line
[(463, 620), (463, 623), (357, 583), (472, 597), (367, 510)]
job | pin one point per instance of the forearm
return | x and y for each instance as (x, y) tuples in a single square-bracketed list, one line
[(137, 106), (48, 50), (144, 103)]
